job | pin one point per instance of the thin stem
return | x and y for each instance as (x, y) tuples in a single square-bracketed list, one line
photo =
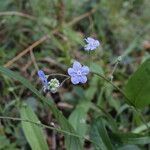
[(48, 127), (64, 81), (90, 58), (116, 87), (114, 69), (34, 60), (58, 74)]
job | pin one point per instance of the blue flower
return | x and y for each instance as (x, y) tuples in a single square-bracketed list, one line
[(92, 44), (43, 78), (78, 73)]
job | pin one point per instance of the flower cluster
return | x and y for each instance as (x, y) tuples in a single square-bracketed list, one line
[(77, 73), (51, 85)]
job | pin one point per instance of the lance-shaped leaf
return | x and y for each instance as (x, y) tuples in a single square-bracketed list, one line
[(137, 88), (33, 133)]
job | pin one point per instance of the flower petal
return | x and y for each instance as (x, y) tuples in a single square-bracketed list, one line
[(41, 74), (97, 43), (87, 47), (71, 72), (85, 70), (82, 79), (92, 44), (76, 65), (89, 40), (42, 77), (44, 81), (75, 80)]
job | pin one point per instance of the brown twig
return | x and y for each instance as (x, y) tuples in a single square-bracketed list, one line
[(77, 19), (26, 66), (9, 63), (41, 40), (11, 13), (45, 37), (34, 60), (51, 61)]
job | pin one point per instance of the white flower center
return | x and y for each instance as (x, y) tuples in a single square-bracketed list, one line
[(79, 73)]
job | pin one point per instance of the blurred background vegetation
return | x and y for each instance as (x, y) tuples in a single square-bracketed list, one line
[(122, 26)]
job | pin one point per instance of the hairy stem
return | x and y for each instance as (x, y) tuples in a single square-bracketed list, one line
[(48, 127), (114, 69)]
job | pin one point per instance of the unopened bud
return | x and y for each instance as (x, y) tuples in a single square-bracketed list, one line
[(53, 85)]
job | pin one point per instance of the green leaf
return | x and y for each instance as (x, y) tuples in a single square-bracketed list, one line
[(91, 91), (130, 138), (95, 68), (78, 118), (71, 142), (72, 35), (33, 133), (129, 147), (137, 88), (99, 135), (141, 128)]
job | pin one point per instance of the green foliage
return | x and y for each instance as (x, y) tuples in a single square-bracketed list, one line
[(95, 68), (71, 142), (138, 86), (6, 144), (122, 28), (130, 138), (99, 135), (33, 133), (129, 147), (78, 119)]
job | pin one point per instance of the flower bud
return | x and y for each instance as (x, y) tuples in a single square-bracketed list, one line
[(53, 85)]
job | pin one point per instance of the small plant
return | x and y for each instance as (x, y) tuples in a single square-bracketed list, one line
[(95, 96), (77, 73), (136, 96)]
